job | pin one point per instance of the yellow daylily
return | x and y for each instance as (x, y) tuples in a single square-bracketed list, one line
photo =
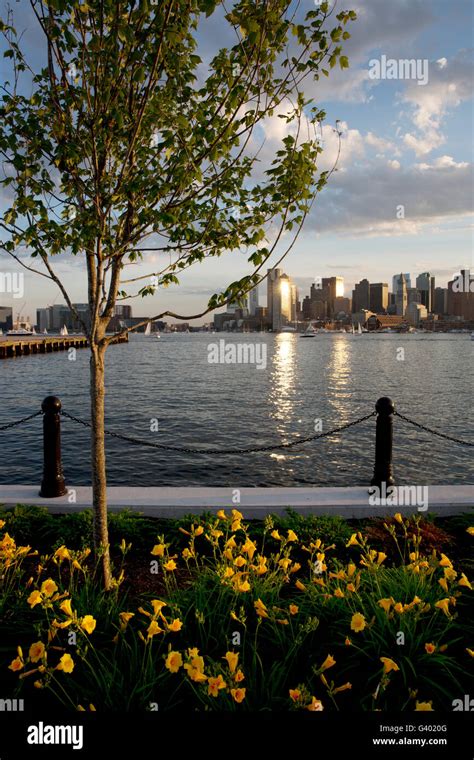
[(36, 651), (173, 661), (66, 664), (358, 622), (388, 664)]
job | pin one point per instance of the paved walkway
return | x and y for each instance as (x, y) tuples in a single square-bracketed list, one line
[(253, 502)]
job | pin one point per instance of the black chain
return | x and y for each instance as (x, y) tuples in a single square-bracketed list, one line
[(298, 442), (434, 432), (20, 422)]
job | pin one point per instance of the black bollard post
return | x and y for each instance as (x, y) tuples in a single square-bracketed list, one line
[(383, 469), (53, 483)]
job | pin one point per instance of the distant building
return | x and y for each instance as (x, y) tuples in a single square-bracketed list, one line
[(124, 311), (396, 278), (281, 299), (252, 301), (378, 300), (415, 313), (342, 305), (401, 298), (6, 318), (384, 321), (361, 296), (440, 305), (413, 296), (460, 299), (425, 284)]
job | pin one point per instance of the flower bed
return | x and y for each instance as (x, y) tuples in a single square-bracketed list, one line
[(236, 616)]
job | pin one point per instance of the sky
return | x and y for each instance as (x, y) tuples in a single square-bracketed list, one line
[(401, 199)]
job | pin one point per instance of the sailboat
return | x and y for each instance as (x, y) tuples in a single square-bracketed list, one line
[(148, 329), (310, 331), (45, 332), (64, 330)]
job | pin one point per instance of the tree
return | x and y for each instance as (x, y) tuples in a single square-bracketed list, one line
[(118, 146)]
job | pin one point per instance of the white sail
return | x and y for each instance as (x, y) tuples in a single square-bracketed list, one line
[(64, 330), (148, 329)]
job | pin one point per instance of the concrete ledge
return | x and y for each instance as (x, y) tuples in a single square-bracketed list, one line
[(254, 502)]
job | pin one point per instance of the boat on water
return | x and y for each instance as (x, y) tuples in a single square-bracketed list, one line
[(148, 329), (20, 332), (310, 332), (64, 330), (288, 329)]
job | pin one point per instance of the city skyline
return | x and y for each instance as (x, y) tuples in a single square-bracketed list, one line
[(404, 181)]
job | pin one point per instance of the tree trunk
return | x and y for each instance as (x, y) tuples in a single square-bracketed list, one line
[(99, 475)]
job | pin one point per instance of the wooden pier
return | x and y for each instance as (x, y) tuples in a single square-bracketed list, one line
[(14, 347)]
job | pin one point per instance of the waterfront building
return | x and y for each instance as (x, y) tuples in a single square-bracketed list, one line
[(440, 305), (281, 299), (378, 297), (415, 313), (401, 298), (361, 296), (6, 318), (396, 279), (124, 311), (252, 301), (425, 284), (460, 299)]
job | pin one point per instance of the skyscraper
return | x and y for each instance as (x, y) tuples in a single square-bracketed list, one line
[(425, 284), (401, 298), (378, 297), (361, 296), (252, 301), (396, 278), (281, 299)]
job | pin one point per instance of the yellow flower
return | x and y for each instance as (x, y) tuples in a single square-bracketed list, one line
[(315, 705), (339, 593), (291, 536), (445, 561), (38, 684), (295, 695), (2, 523), (216, 533), (260, 608), (238, 695), (88, 623), (36, 651), (48, 587), (228, 572), (153, 629), (199, 530), (353, 541), (236, 515), (398, 518), (464, 581), (344, 687), (300, 586), (450, 574), (423, 706), (348, 642), (221, 515), (470, 530), (443, 604), (214, 685), (274, 534), (430, 648), (232, 660), (66, 607), (66, 664), (381, 558), (239, 676), (385, 604), (158, 550), (293, 609), (34, 598), (125, 617), (444, 584), (175, 626), (157, 605), (328, 663), (351, 568), (240, 561), (174, 661), (231, 543), (16, 664), (249, 548), (398, 607), (470, 652), (62, 553), (358, 622), (284, 563), (187, 554), (170, 565), (388, 664), (242, 587), (64, 624)]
